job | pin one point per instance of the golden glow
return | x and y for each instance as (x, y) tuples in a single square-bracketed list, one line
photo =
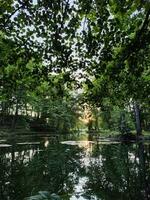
[(46, 143), (87, 116)]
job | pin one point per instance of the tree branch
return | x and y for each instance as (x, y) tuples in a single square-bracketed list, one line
[(13, 13), (9, 17)]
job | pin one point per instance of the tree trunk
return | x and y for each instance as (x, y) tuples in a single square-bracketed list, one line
[(15, 117), (137, 119), (4, 113)]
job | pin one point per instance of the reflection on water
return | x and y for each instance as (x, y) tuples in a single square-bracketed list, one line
[(75, 170)]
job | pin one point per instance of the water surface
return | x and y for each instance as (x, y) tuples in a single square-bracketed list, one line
[(74, 169)]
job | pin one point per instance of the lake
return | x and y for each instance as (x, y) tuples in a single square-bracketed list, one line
[(74, 170)]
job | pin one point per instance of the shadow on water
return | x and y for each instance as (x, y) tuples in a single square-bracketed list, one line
[(74, 170)]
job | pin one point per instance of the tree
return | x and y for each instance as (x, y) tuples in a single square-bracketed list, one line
[(105, 40), (119, 71)]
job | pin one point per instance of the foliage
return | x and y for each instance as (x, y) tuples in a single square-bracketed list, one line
[(26, 87), (50, 46)]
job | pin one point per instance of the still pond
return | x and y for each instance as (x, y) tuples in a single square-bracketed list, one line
[(73, 170)]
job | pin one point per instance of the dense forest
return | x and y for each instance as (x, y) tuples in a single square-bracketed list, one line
[(72, 64)]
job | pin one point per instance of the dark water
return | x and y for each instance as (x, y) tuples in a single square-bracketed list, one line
[(75, 170)]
